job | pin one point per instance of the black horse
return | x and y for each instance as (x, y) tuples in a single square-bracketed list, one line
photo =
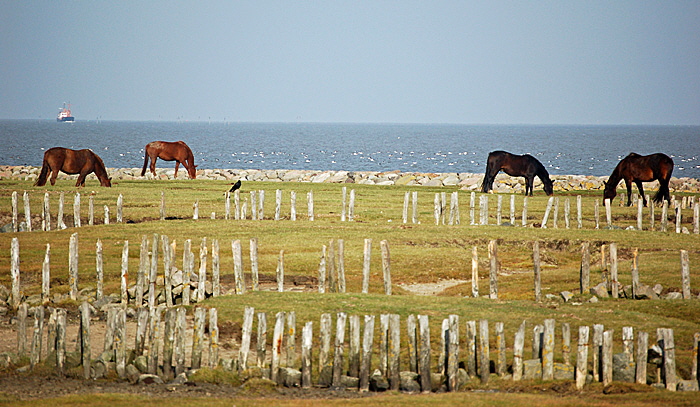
[(641, 168), (516, 166)]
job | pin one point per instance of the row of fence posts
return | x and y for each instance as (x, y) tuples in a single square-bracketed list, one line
[(152, 341), (331, 270), (440, 212), (442, 216)]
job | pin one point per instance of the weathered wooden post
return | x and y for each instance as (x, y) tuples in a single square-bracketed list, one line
[(46, 275), (641, 357), (366, 258), (306, 344), (472, 199), (293, 205), (120, 210), (310, 205), (384, 344), (501, 365), (628, 341), (22, 329), (518, 350), (608, 212), (555, 219), (261, 204), (412, 343), (179, 349), (106, 211), (536, 266), (143, 269), (322, 271), (27, 212), (424, 354), (366, 358), (215, 269), (227, 205), (61, 343), (405, 207), (351, 206), (394, 350), (524, 221), (471, 354), (168, 254), (354, 352), (278, 203), (35, 357), (414, 207), (579, 212), (330, 264), (14, 271), (85, 338), (607, 357), (198, 336), (436, 208), (651, 216), (124, 274), (46, 214), (499, 209), (253, 263), (201, 282), (237, 209), (484, 358), (344, 199), (386, 266), (277, 337), (291, 347), (547, 211), (280, 272), (339, 349), (615, 285), (640, 210), (596, 212), (475, 272), (669, 359), (585, 272), (76, 210), (261, 343), (341, 266), (246, 333), (142, 318), (168, 342), (493, 270), (537, 339), (685, 275), (238, 267), (73, 266), (253, 205), (15, 212), (213, 338), (454, 209), (696, 218), (99, 270), (444, 344), (162, 205), (566, 343), (664, 216), (678, 219), (156, 339), (548, 350), (325, 364), (512, 210), (582, 357), (597, 352), (635, 273), (187, 267), (484, 209), (452, 352), (119, 340)]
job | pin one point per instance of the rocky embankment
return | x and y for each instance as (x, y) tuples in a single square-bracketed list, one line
[(465, 181)]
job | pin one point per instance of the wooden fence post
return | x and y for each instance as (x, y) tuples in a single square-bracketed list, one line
[(414, 207), (73, 266), (291, 348), (607, 359), (261, 204), (471, 353), (168, 253), (344, 199), (354, 352), (215, 268), (424, 354), (499, 209), (22, 329), (394, 350), (280, 272), (168, 342), (120, 211), (46, 275), (330, 264), (306, 344), (156, 339), (293, 208), (501, 364), (35, 357), (61, 344), (46, 214), (351, 206), (15, 212), (246, 333), (367, 340), (119, 340), (475, 272), (386, 266), (472, 198), (322, 271), (664, 216), (412, 343), (179, 348), (405, 207), (685, 275), (162, 205), (453, 352), (339, 349), (566, 343), (641, 357), (567, 213), (310, 205), (278, 203), (341, 266), (608, 212), (555, 218), (550, 203), (60, 224), (615, 285), (277, 337), (76, 210), (524, 221), (198, 336), (384, 344), (518, 348), (238, 275), (548, 350), (213, 338), (201, 282), (582, 357), (261, 343), (635, 273), (669, 359), (512, 210), (597, 351), (366, 261), (124, 274), (484, 358), (14, 271), (27, 212)]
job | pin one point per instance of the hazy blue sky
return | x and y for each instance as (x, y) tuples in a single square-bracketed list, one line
[(541, 62)]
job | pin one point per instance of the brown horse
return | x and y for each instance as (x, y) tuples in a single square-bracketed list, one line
[(176, 151), (516, 166), (641, 168), (81, 162)]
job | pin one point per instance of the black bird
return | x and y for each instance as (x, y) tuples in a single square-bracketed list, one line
[(235, 186)]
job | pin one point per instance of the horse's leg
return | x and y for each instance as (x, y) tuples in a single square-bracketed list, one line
[(153, 165), (529, 184), (641, 191), (177, 165), (81, 178), (628, 184), (54, 174)]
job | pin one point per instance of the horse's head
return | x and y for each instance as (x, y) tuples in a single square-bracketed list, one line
[(192, 171), (106, 182), (610, 191), (548, 186)]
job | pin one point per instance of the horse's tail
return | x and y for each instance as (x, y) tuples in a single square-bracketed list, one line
[(145, 160), (43, 175), (487, 182), (662, 193)]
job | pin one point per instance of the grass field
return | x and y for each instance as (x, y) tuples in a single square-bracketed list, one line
[(420, 253)]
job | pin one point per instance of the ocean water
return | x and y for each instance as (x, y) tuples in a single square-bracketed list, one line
[(574, 149)]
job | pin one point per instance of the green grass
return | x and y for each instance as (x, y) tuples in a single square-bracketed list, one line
[(420, 253)]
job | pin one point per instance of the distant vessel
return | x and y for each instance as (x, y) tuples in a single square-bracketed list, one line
[(64, 114)]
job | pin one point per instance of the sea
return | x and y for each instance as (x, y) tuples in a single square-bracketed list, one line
[(428, 148)]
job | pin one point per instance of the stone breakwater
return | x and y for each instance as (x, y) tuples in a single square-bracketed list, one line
[(465, 181)]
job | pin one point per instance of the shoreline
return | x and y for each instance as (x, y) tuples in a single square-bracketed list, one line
[(465, 181)]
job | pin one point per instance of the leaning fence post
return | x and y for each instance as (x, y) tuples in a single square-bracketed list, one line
[(73, 266), (582, 357), (550, 202), (365, 365)]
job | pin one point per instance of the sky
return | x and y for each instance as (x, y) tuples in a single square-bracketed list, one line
[(470, 62)]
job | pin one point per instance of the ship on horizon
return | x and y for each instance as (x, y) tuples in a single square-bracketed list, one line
[(64, 114)]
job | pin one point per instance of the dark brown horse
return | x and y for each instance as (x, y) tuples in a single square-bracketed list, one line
[(641, 168), (516, 166), (176, 151), (81, 162)]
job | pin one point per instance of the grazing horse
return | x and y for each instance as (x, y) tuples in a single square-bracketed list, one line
[(516, 166), (81, 162), (641, 168), (176, 151)]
